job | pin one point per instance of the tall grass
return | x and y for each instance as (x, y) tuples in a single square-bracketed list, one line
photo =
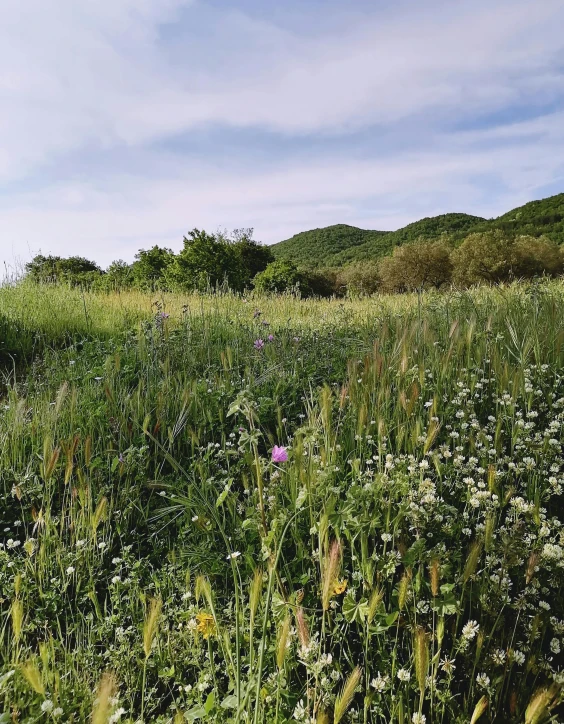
[(405, 564)]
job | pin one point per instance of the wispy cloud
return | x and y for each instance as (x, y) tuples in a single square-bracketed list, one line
[(378, 119)]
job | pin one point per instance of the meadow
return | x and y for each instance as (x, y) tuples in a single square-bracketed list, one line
[(225, 509)]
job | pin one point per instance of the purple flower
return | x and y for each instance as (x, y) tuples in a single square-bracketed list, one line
[(279, 454), (271, 338), (259, 344)]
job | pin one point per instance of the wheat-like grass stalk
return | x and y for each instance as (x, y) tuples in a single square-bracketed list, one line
[(33, 677), (344, 699), (479, 709), (282, 643), (151, 624), (541, 703), (472, 560), (435, 576), (103, 705), (330, 572), (376, 598)]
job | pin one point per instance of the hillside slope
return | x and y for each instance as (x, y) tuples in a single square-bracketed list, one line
[(341, 244), (319, 247)]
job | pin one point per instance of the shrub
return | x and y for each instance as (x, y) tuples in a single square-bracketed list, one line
[(358, 279), (416, 266)]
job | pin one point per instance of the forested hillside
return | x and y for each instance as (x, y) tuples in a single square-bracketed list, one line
[(338, 245)]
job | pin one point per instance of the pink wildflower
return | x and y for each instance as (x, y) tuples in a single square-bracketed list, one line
[(279, 454)]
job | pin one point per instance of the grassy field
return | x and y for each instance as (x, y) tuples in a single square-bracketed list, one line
[(404, 564)]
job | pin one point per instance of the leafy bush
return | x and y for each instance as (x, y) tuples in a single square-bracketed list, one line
[(417, 266)]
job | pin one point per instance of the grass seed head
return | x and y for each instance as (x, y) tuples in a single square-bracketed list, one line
[(344, 699), (151, 625)]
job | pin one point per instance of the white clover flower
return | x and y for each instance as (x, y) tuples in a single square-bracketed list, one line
[(47, 706), (379, 683), (552, 551), (555, 646), (470, 629), (70, 570), (116, 579), (58, 712), (300, 711), (483, 681), (404, 675), (235, 554), (418, 718), (117, 715)]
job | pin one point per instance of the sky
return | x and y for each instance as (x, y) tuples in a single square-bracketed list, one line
[(126, 123)]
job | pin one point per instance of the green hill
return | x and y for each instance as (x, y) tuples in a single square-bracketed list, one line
[(318, 247), (341, 244)]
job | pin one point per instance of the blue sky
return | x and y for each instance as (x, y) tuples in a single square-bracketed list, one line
[(125, 123)]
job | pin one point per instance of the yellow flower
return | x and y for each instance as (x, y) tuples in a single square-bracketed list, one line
[(206, 624), (339, 587)]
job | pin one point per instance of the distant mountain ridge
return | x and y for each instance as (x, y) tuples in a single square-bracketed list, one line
[(341, 244)]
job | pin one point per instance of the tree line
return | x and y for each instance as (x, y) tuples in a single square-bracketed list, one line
[(239, 263)]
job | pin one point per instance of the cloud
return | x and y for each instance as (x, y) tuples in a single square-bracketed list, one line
[(387, 193), (378, 118)]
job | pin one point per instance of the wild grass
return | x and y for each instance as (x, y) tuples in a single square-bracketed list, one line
[(405, 564)]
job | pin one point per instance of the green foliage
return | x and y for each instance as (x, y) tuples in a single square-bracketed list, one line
[(251, 258), (205, 262), (318, 248), (74, 270), (150, 267), (494, 256), (281, 276), (416, 266)]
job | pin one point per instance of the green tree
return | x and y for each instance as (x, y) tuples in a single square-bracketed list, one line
[(150, 267), (206, 261), (73, 270), (251, 258), (282, 276), (537, 256), (358, 279), (416, 266), (484, 257), (119, 275)]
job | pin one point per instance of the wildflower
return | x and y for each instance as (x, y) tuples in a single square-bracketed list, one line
[(447, 665), (271, 338), (58, 712), (555, 646), (470, 629), (206, 624), (300, 711), (258, 343), (70, 570), (418, 718), (339, 587), (117, 715), (404, 675), (116, 579), (279, 454), (47, 706), (235, 554), (379, 683), (483, 680)]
